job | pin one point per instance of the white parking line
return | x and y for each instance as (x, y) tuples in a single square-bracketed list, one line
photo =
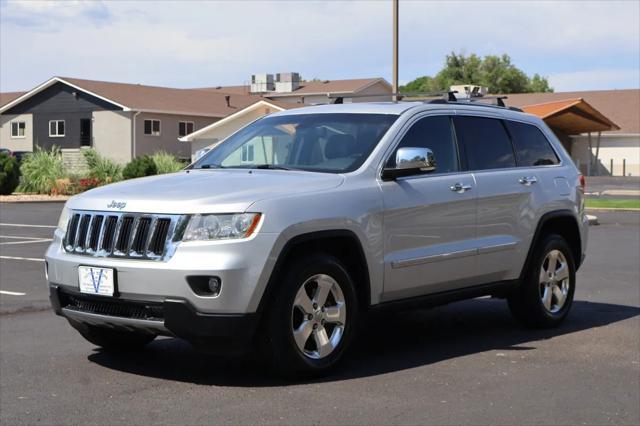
[(33, 259), (20, 238), (12, 293), (41, 240), (23, 225)]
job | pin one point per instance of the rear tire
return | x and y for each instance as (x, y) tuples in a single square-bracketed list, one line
[(114, 340), (312, 318), (545, 294)]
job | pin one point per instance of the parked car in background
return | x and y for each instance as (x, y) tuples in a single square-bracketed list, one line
[(290, 230)]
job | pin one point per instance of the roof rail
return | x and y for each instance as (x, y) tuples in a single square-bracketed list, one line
[(443, 97)]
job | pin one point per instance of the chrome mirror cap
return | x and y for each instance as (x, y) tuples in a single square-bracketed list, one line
[(418, 159)]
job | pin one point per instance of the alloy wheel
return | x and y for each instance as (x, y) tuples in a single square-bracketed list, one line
[(554, 281), (318, 316)]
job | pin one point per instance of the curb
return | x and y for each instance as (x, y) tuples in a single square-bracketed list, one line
[(612, 209), (593, 220), (31, 201)]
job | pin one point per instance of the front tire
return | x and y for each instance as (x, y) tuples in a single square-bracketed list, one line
[(313, 317), (545, 295)]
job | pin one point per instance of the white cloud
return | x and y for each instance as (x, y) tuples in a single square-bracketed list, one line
[(192, 44), (595, 79)]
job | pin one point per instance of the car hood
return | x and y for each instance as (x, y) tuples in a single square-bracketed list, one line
[(202, 191)]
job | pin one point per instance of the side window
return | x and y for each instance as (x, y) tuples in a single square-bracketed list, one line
[(531, 145), (486, 143), (433, 133)]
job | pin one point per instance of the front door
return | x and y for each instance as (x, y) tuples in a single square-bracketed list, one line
[(85, 132), (429, 219)]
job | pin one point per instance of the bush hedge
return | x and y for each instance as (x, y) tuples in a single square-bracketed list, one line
[(40, 170), (101, 169), (167, 163), (140, 167), (9, 174)]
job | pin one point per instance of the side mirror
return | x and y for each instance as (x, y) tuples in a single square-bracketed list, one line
[(411, 161)]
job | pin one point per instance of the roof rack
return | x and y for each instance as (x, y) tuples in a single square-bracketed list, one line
[(443, 97)]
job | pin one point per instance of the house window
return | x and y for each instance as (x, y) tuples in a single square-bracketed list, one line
[(185, 128), (152, 127), (247, 154), (17, 129), (56, 128)]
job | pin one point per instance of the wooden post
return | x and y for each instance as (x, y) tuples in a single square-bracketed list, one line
[(396, 10), (597, 153), (624, 167)]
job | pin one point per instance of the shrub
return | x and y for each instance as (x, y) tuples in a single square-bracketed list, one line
[(167, 163), (101, 168), (40, 170), (9, 174), (140, 167)]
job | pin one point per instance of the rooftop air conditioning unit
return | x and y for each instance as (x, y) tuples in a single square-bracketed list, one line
[(287, 82), (262, 83)]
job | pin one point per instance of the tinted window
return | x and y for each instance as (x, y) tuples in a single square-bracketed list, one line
[(531, 146), (433, 133), (486, 143)]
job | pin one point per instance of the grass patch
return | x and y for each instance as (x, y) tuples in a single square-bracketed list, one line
[(613, 203)]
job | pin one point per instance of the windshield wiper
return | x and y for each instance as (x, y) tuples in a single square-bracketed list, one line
[(271, 167), (211, 166)]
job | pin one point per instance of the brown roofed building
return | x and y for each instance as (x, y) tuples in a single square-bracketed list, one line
[(612, 117), (122, 120)]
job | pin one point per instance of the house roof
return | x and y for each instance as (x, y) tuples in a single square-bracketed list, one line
[(572, 116), (279, 106), (209, 102), (620, 106), (137, 97), (7, 97), (309, 87)]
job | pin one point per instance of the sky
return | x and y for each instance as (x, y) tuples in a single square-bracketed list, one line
[(578, 45)]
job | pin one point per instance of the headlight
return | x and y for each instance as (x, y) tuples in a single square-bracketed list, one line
[(64, 219), (205, 227)]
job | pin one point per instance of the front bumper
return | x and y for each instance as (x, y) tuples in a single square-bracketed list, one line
[(216, 333), (243, 266)]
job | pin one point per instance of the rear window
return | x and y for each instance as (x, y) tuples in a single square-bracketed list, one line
[(531, 145), (486, 142)]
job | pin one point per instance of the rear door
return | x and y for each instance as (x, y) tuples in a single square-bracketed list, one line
[(506, 196), (429, 225)]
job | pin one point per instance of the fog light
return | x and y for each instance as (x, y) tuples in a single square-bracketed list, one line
[(215, 285), (204, 285)]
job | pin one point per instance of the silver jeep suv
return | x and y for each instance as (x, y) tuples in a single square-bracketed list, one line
[(288, 232)]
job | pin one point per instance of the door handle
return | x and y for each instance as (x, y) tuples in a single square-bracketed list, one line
[(528, 180), (460, 188)]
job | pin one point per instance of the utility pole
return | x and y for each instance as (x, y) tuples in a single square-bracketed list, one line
[(394, 84)]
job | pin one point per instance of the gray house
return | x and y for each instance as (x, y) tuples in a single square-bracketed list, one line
[(121, 121)]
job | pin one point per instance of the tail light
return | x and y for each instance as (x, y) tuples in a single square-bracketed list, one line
[(583, 182)]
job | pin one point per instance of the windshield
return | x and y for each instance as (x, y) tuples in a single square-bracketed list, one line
[(331, 143)]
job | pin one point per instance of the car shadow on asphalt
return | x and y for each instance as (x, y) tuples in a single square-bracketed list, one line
[(388, 342)]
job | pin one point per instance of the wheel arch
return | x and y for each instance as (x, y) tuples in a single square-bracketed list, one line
[(563, 223), (342, 243)]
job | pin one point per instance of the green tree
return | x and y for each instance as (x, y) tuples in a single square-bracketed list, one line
[(497, 73)]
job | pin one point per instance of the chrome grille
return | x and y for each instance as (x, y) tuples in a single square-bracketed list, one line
[(126, 235)]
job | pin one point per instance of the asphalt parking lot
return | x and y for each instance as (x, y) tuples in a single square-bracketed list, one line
[(465, 363)]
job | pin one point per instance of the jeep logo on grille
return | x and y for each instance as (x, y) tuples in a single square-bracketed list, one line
[(117, 205)]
